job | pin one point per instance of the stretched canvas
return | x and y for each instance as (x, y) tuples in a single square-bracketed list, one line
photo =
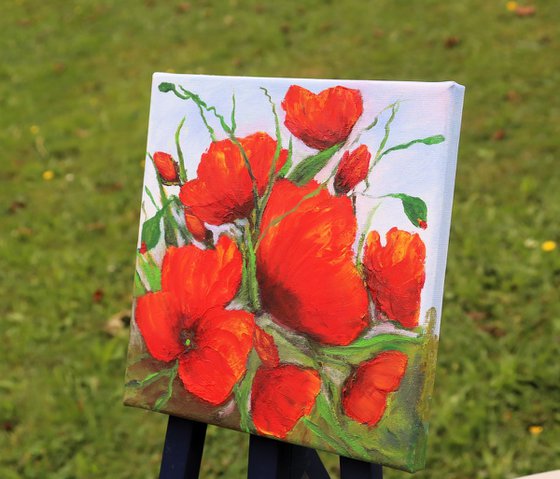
[(291, 258)]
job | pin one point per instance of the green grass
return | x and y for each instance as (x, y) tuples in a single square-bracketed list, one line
[(74, 96)]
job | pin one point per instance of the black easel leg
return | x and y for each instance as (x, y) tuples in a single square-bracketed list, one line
[(354, 469), (182, 451), (264, 458), (271, 459)]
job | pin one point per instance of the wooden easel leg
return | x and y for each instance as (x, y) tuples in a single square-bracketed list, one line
[(354, 469), (270, 459), (182, 451)]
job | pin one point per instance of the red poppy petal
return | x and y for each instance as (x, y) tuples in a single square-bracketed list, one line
[(196, 227), (202, 279), (322, 120), (221, 344), (365, 409), (159, 320), (166, 166), (352, 169), (266, 348), (305, 264), (395, 274), (223, 189), (281, 396), (365, 391)]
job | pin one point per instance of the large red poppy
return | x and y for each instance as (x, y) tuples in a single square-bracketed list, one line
[(325, 119), (223, 189), (364, 394), (352, 169), (186, 319), (305, 264), (395, 274), (281, 396)]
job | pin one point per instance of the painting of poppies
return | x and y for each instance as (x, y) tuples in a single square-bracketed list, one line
[(291, 257)]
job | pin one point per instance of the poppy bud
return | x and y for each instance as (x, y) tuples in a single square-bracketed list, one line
[(352, 169), (266, 348), (197, 228), (167, 168)]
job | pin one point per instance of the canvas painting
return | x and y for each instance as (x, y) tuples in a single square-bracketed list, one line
[(291, 258)]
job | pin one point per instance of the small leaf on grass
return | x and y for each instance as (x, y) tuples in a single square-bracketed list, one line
[(415, 209), (151, 231), (310, 166)]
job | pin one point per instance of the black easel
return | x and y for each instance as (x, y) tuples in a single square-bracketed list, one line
[(268, 459)]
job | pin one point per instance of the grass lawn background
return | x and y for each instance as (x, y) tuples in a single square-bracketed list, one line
[(74, 96)]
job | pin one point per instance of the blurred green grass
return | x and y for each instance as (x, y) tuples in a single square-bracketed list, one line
[(74, 97)]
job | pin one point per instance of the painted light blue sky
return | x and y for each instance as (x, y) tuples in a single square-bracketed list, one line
[(426, 109)]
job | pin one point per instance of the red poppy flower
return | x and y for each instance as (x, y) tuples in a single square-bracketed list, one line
[(352, 169), (167, 168), (305, 264), (325, 119), (266, 348), (395, 274), (281, 396), (197, 228), (223, 190), (364, 394), (186, 320)]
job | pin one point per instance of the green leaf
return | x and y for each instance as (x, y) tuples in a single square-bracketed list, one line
[(310, 166), (415, 209), (166, 87), (286, 168), (151, 231), (431, 140)]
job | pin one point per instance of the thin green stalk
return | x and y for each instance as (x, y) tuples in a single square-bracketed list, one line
[(182, 169), (251, 262), (162, 400), (367, 226)]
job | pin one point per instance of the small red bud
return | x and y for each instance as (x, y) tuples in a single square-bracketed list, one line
[(352, 169), (422, 224), (167, 168)]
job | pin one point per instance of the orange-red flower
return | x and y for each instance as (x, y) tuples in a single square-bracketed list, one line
[(186, 319), (364, 394), (281, 396), (352, 169), (325, 119), (266, 348), (305, 264), (223, 189), (166, 167), (395, 274)]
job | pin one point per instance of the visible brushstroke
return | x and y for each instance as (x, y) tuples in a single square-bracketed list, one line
[(182, 169), (322, 120), (415, 209), (431, 140), (352, 169), (305, 265), (185, 320), (166, 167), (266, 348), (281, 396), (364, 395), (222, 190), (395, 275), (310, 166)]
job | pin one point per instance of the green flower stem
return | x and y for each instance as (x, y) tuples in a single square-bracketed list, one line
[(229, 130), (182, 169), (272, 173), (367, 226), (251, 268), (162, 400)]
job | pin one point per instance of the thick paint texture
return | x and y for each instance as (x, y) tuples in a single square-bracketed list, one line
[(223, 190), (364, 395), (305, 264), (281, 396), (395, 274), (166, 167), (322, 120), (352, 169), (186, 320)]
